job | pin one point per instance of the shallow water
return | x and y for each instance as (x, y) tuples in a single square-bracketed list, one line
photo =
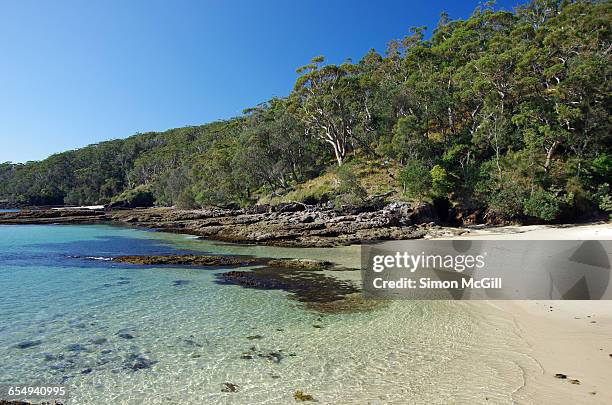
[(95, 320)]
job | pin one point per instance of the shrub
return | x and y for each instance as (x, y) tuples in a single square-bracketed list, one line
[(542, 204), (140, 196), (604, 199), (350, 191), (507, 202), (441, 181), (416, 180)]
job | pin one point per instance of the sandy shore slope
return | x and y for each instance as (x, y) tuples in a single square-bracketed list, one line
[(573, 338)]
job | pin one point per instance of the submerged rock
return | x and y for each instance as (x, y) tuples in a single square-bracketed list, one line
[(253, 337), (76, 347), (99, 340), (191, 260), (305, 286), (28, 343), (125, 334), (137, 362), (299, 395), (229, 387), (302, 264)]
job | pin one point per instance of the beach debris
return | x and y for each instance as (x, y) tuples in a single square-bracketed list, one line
[(561, 376), (229, 387), (28, 343), (574, 381), (299, 395)]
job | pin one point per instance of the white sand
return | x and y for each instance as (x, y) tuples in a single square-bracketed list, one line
[(568, 337)]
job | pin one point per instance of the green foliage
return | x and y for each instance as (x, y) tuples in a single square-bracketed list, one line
[(350, 190), (140, 196), (416, 179), (486, 111), (543, 205), (507, 202), (441, 181), (604, 198)]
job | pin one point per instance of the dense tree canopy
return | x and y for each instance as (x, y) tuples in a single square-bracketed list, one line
[(507, 112)]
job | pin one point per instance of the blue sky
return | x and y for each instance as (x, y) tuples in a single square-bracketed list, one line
[(74, 73)]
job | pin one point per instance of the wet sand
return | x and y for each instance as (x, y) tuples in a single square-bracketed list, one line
[(568, 338)]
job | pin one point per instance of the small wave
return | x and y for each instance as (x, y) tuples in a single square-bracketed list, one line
[(106, 259)]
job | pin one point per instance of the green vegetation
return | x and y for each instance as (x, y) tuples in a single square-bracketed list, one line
[(506, 112)]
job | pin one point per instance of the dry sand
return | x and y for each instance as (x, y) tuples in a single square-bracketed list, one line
[(573, 338)]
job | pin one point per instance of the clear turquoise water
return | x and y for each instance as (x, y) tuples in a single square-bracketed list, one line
[(194, 334)]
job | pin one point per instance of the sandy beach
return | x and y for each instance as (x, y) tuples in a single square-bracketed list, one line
[(573, 338)]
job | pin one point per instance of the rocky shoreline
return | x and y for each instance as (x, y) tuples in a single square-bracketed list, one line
[(293, 224)]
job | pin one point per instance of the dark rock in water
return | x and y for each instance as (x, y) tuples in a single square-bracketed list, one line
[(180, 282), (304, 286), (302, 264), (86, 371), (125, 335), (106, 351), (137, 362), (28, 343), (275, 357), (52, 357), (247, 356), (229, 387), (107, 285), (191, 342), (299, 395), (66, 378), (317, 326), (254, 337), (76, 347), (99, 341), (190, 260)]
